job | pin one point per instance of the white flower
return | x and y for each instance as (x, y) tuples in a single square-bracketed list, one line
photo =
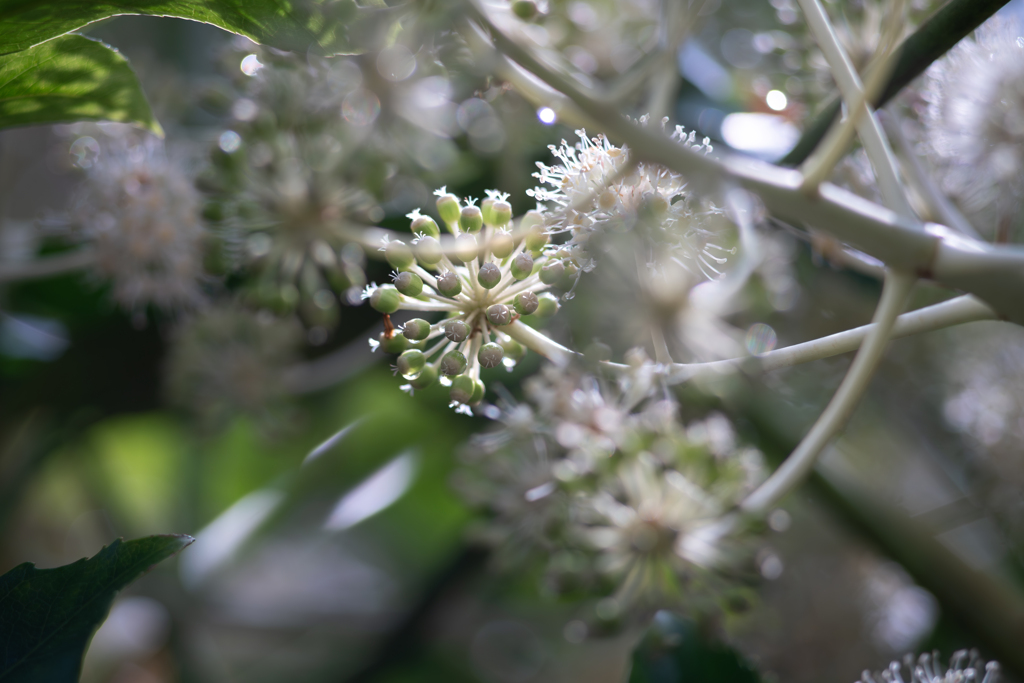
[(141, 211), (593, 189), (964, 667), (975, 124)]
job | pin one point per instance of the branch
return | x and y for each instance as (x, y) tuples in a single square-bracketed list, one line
[(994, 274), (48, 266), (799, 464), (964, 309)]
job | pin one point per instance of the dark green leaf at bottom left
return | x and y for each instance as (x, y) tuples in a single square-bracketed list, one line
[(48, 616)]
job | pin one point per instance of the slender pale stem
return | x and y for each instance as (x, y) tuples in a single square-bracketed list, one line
[(800, 462), (538, 342), (48, 266), (858, 99)]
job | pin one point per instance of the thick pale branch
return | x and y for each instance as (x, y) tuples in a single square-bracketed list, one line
[(994, 274), (799, 464)]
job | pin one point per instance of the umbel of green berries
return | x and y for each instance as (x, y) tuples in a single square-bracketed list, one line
[(473, 287)]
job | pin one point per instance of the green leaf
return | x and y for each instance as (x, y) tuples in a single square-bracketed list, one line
[(675, 651), (285, 24), (48, 616), (71, 78)]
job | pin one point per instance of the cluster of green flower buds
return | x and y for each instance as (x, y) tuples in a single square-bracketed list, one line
[(483, 278)]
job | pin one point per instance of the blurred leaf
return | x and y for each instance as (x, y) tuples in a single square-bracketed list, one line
[(285, 24), (674, 651), (48, 616), (72, 78)]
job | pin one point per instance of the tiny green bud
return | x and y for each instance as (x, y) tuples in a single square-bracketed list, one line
[(465, 247), (409, 284), (385, 299), (490, 275), (456, 331), (462, 389), (416, 329), (551, 271), (568, 279), (502, 213), (449, 284), (525, 303), (487, 209), (399, 255), (547, 306), (524, 9), (490, 355), (425, 225), (478, 393), (428, 250), (427, 376), (499, 314), (513, 349), (597, 352), (453, 363), (532, 219), (522, 266), (448, 207), (502, 244), (410, 362), (471, 219), (536, 239), (396, 344)]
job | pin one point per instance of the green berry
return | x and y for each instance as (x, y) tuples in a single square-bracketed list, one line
[(428, 251), (525, 303), (490, 355), (465, 247), (396, 344), (409, 284), (410, 363), (489, 276), (449, 284), (514, 351), (416, 329), (522, 266), (425, 225), (547, 306), (448, 207), (532, 219), (597, 352), (502, 245), (478, 393), (568, 279), (525, 9), (487, 209), (399, 255), (471, 219), (499, 314), (453, 363), (551, 271), (456, 331), (462, 389), (385, 299), (427, 376), (501, 213)]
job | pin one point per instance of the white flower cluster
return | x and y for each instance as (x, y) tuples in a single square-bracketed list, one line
[(974, 126), (141, 212), (964, 667), (597, 188), (612, 492)]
